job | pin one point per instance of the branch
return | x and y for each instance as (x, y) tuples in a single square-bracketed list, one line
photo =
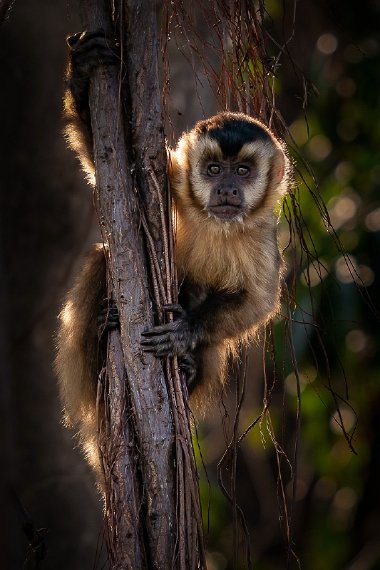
[(152, 501), (119, 216)]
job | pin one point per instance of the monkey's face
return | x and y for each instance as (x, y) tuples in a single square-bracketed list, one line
[(227, 183), (230, 167), (230, 188)]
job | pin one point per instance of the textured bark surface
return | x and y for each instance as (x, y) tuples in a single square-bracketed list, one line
[(120, 219), (152, 503)]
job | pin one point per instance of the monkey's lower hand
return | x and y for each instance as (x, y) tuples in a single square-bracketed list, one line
[(177, 338)]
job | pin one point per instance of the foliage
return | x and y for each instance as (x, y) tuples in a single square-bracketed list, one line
[(335, 329)]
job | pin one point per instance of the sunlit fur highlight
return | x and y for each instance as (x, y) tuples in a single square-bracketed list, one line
[(79, 139), (76, 361)]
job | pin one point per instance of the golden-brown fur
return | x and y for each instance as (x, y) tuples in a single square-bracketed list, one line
[(229, 256), (76, 362), (230, 270)]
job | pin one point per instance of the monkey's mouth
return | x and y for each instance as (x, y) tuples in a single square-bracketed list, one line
[(226, 211)]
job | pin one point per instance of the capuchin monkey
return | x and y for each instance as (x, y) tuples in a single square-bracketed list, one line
[(227, 176)]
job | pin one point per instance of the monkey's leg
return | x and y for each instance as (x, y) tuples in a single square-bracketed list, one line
[(88, 50), (210, 376)]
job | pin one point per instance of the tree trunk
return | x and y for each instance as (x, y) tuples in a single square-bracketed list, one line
[(152, 505)]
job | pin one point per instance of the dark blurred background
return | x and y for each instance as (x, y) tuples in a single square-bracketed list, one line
[(47, 223)]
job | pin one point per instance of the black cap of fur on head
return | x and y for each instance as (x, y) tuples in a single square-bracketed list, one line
[(232, 131)]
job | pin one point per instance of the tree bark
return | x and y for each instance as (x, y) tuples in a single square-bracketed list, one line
[(152, 505), (118, 211)]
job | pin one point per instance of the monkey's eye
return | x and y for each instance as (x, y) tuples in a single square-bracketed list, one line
[(242, 170), (214, 169)]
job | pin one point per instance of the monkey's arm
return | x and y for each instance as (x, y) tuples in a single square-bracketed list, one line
[(221, 316), (87, 50)]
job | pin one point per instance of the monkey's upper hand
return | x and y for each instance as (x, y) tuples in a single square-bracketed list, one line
[(177, 338), (88, 50)]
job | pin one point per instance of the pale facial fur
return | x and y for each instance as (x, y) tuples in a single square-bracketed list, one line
[(261, 192)]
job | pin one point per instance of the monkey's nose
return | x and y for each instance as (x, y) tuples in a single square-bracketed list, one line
[(227, 191), (229, 195)]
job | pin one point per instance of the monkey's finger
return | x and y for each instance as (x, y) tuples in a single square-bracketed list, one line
[(109, 318), (154, 341), (146, 344), (174, 308), (166, 338), (148, 348), (160, 329), (160, 350), (163, 352)]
